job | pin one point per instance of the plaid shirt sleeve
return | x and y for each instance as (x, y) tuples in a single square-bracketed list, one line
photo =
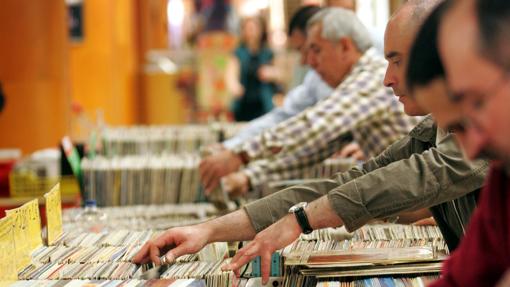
[(267, 143), (330, 129)]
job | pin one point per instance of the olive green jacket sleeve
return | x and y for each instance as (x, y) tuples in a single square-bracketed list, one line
[(410, 174)]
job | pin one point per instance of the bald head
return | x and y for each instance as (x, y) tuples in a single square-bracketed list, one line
[(399, 35), (413, 13)]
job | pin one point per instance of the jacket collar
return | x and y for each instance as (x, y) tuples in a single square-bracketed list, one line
[(425, 131)]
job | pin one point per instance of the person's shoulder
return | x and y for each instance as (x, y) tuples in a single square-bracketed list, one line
[(425, 130), (311, 77)]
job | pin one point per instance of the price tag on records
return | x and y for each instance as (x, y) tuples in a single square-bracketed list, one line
[(29, 218), (22, 249), (34, 224), (7, 250), (53, 214)]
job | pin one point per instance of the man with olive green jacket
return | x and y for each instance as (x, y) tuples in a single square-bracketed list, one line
[(432, 168)]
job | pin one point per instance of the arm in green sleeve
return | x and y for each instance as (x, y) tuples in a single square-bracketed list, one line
[(423, 180), (270, 209), (397, 180)]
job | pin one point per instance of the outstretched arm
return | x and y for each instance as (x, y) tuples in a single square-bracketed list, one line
[(320, 215), (179, 241)]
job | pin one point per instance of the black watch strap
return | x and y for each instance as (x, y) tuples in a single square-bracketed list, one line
[(302, 220)]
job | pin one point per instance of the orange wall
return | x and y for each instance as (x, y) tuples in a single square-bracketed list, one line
[(104, 67), (153, 25), (34, 73), (43, 72), (152, 34)]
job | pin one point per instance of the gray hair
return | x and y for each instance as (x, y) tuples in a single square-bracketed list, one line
[(339, 23)]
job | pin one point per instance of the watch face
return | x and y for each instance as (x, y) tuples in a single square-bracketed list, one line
[(298, 206), (308, 231)]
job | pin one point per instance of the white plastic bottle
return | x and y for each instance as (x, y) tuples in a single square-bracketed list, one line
[(91, 219)]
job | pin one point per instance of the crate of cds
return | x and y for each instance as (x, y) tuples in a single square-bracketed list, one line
[(381, 253)]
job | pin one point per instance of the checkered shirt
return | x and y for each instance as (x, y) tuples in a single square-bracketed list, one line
[(360, 109)]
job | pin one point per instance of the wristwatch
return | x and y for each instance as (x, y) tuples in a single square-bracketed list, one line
[(302, 219)]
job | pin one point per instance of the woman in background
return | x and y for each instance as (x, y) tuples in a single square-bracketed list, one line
[(253, 92)]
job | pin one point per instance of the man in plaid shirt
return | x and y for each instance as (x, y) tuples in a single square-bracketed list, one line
[(360, 109)]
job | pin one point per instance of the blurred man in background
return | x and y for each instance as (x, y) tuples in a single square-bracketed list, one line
[(360, 109), (312, 90)]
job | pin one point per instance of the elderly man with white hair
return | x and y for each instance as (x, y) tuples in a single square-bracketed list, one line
[(360, 109)]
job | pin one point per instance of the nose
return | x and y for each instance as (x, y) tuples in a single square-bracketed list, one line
[(312, 60), (389, 79), (472, 141)]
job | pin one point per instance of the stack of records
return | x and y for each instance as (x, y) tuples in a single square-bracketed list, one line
[(103, 254), (374, 250), (109, 283), (208, 270), (378, 232), (142, 180), (112, 238), (108, 256), (90, 271), (157, 140), (304, 249), (396, 281), (397, 231), (81, 254)]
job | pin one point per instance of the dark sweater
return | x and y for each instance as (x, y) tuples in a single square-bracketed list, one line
[(484, 254)]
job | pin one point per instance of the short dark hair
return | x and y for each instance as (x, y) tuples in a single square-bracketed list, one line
[(301, 17), (424, 64), (493, 22)]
